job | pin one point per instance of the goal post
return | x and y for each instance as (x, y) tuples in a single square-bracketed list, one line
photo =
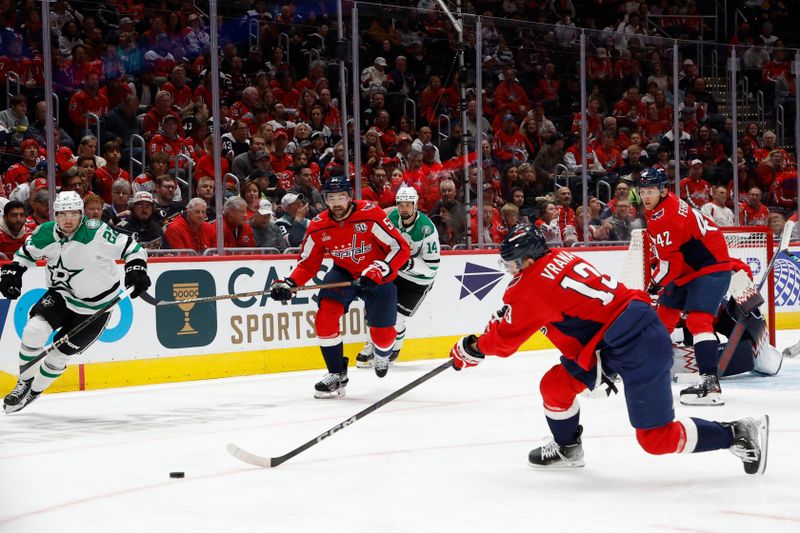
[(751, 245)]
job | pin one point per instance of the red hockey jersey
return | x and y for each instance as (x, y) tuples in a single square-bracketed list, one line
[(574, 305), (686, 243), (366, 235)]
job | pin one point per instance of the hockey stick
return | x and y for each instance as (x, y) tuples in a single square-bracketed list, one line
[(77, 329), (272, 462), (792, 351), (749, 306), (257, 293)]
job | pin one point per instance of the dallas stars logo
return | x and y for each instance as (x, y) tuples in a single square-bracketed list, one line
[(61, 276)]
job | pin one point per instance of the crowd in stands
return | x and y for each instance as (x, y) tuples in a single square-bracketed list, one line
[(135, 71)]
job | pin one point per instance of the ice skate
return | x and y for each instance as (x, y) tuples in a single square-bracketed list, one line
[(706, 392), (23, 402), (393, 356), (750, 443), (13, 398), (365, 356), (332, 385), (381, 363), (554, 455)]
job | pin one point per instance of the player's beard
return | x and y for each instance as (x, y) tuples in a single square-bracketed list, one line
[(339, 212)]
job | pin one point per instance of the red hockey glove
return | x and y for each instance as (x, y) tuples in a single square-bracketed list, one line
[(464, 354), (376, 273)]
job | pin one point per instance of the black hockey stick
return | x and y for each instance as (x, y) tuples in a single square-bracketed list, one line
[(752, 303), (334, 285), (272, 462), (77, 329)]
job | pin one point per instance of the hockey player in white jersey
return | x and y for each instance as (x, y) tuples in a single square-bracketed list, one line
[(82, 277), (416, 278)]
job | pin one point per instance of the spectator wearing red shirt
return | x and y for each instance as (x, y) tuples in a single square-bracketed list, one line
[(653, 126), (508, 140), (244, 106), (566, 216), (783, 191), (238, 233), (153, 118), (594, 119), (609, 156), (768, 170), (168, 141), (510, 96), (493, 228), (379, 190), (159, 58), (285, 93), (20, 172), (546, 90), (13, 231), (106, 175), (630, 110), (176, 86), (115, 91), (707, 148), (598, 67), (281, 160), (190, 230), (752, 212), (694, 189), (87, 100)]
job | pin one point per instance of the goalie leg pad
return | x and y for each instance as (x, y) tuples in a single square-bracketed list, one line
[(669, 317)]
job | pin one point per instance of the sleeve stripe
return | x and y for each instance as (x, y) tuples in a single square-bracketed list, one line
[(126, 247), (386, 238), (431, 260), (308, 245)]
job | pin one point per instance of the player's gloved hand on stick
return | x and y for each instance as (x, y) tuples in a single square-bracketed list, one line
[(136, 277), (281, 289), (653, 289), (375, 274), (11, 280), (465, 352)]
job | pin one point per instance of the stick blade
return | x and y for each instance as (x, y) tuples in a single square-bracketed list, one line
[(247, 457), (786, 236)]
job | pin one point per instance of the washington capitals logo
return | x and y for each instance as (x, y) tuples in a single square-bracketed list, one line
[(355, 252), (478, 280), (658, 214)]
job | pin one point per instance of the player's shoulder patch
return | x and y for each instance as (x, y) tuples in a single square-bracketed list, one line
[(368, 205), (93, 223), (427, 230)]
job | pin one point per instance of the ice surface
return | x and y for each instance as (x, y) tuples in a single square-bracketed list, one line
[(450, 456)]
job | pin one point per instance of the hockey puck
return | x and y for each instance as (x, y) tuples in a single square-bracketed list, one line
[(177, 475)]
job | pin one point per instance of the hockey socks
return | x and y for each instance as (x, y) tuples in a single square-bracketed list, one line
[(706, 353), (564, 424), (706, 435)]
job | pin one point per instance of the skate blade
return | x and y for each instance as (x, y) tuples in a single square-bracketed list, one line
[(559, 466), (335, 395), (763, 442), (363, 364), (706, 401)]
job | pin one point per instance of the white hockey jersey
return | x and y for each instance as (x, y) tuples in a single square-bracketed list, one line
[(82, 266), (424, 241)]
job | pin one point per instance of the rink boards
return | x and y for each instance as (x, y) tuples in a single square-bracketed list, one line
[(148, 344)]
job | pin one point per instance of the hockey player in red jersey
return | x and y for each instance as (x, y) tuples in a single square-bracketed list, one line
[(691, 270), (365, 247), (602, 329)]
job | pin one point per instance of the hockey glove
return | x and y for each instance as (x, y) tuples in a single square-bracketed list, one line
[(136, 277), (11, 280), (464, 354), (281, 289), (375, 274)]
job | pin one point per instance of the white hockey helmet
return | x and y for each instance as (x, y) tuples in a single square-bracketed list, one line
[(68, 201), (407, 194)]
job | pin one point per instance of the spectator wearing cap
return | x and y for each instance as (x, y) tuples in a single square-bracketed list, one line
[(245, 164), (237, 232), (694, 189), (176, 86), (509, 144), (119, 208), (20, 172), (154, 118), (280, 158), (687, 75), (14, 121), (263, 169), (319, 148), (304, 186), (375, 78), (267, 234), (160, 58), (190, 230), (293, 223), (13, 231), (168, 140), (196, 39), (87, 100), (142, 223)]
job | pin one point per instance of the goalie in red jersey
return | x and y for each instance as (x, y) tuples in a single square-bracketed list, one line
[(602, 329), (365, 246), (691, 272)]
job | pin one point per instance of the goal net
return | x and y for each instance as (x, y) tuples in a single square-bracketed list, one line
[(751, 245)]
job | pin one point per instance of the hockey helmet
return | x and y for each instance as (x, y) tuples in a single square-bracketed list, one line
[(68, 201), (407, 194), (521, 242), (337, 184), (653, 177)]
